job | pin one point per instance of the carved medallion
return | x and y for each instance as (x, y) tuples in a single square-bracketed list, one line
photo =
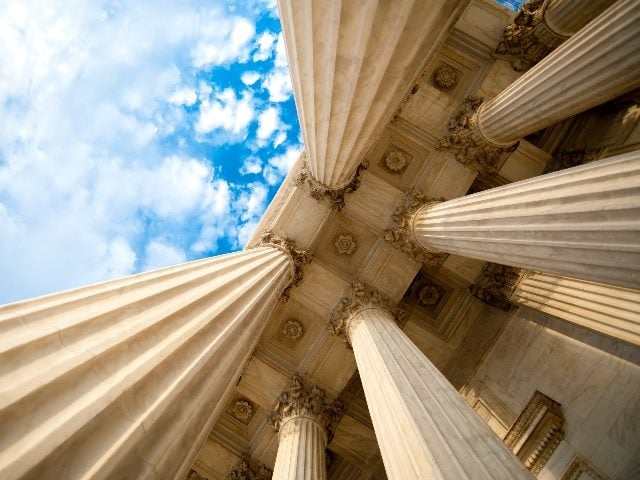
[(445, 77), (495, 284), (292, 329), (345, 244), (242, 410), (429, 295), (396, 161)]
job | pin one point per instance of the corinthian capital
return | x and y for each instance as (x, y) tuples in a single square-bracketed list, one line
[(495, 284), (310, 401), (299, 258), (246, 469), (361, 297), (401, 236), (470, 147)]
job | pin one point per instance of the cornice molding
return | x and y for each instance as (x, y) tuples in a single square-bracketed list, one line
[(401, 234)]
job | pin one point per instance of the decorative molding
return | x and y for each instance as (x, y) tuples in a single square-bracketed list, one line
[(469, 145), (577, 467), (537, 432), (361, 297), (495, 284), (299, 258), (401, 235), (572, 158), (292, 329), (445, 77), (320, 192), (193, 475), (395, 161), (242, 410), (246, 469), (528, 39), (311, 401), (345, 244)]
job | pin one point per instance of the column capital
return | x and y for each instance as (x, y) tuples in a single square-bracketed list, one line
[(298, 258), (495, 284), (361, 297), (308, 401), (333, 195), (467, 142), (529, 38), (401, 235), (247, 469)]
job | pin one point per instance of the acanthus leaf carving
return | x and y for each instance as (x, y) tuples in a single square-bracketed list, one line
[(299, 258), (495, 284), (320, 192), (246, 469), (445, 77), (528, 39), (467, 143), (362, 296), (300, 400), (401, 236)]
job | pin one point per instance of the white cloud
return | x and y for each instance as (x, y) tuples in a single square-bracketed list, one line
[(278, 81), (227, 112), (277, 167), (161, 254), (223, 42), (265, 46), (249, 78), (184, 96), (268, 122), (250, 206), (251, 165)]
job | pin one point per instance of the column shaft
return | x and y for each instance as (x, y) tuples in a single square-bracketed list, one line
[(350, 63), (582, 222), (597, 64), (301, 450), (124, 379), (606, 309), (424, 428), (567, 17)]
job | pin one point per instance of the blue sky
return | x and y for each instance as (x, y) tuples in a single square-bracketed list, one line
[(135, 135)]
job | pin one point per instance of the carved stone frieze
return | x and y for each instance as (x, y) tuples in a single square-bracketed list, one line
[(361, 297), (445, 77), (299, 258), (468, 144), (528, 39), (320, 192), (580, 466), (300, 400), (537, 432), (401, 236), (292, 329), (495, 284), (246, 469)]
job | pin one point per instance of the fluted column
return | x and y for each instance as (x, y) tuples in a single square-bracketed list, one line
[(351, 63), (606, 309), (597, 64), (304, 417), (542, 25), (582, 222), (425, 430), (124, 379)]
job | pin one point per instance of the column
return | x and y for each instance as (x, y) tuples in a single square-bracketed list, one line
[(124, 379), (611, 310), (541, 26), (305, 417), (582, 222), (597, 64), (349, 62), (425, 430)]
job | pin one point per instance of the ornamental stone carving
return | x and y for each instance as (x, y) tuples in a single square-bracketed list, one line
[(395, 161), (578, 467), (467, 143), (401, 236), (319, 192), (193, 475), (360, 298), (310, 401), (495, 284), (247, 469), (429, 295), (345, 244), (292, 329), (299, 258), (528, 39), (242, 410), (445, 77), (572, 158)]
